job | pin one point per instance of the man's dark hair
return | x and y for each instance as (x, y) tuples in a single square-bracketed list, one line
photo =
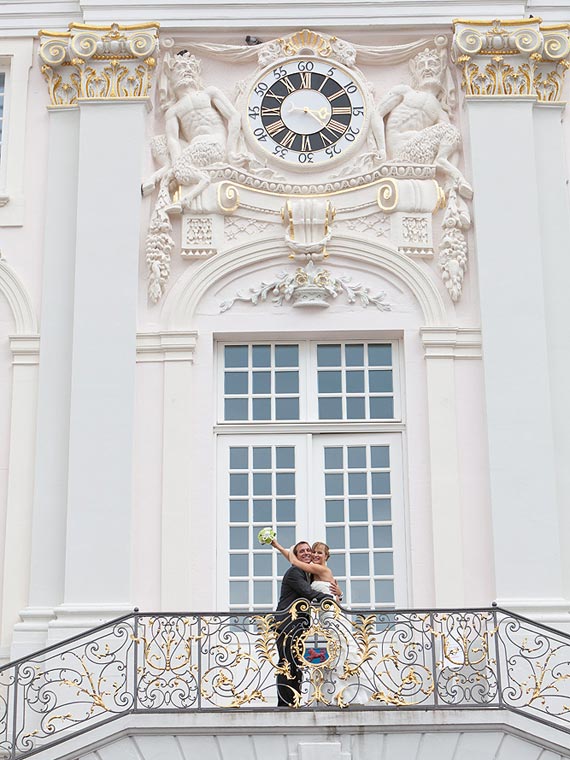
[(298, 544)]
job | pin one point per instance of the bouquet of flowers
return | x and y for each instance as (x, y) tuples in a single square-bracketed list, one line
[(266, 535)]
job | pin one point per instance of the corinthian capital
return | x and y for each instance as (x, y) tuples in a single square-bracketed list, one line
[(99, 62), (511, 58)]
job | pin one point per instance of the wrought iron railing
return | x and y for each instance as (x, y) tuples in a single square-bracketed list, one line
[(410, 659)]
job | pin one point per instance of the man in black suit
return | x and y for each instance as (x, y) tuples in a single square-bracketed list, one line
[(295, 585)]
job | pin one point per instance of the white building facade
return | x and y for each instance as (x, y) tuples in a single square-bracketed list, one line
[(299, 267)]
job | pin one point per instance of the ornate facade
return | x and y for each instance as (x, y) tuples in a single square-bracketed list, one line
[(314, 278)]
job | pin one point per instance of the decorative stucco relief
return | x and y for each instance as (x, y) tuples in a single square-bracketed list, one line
[(242, 159), (512, 58), (99, 62)]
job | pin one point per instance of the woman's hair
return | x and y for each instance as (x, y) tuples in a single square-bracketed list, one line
[(323, 546)]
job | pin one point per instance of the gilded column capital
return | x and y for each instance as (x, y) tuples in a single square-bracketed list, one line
[(512, 58), (97, 63)]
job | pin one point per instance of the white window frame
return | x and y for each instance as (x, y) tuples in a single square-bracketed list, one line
[(255, 432), (16, 59)]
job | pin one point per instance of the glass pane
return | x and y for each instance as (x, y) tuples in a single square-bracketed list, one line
[(262, 511), (328, 356), (235, 409), (359, 564), (355, 408), (285, 510), (261, 382), (262, 457), (238, 510), (384, 591), (333, 458), (358, 537), (358, 510), (261, 356), (382, 536), (380, 456), (238, 458), (357, 457), (285, 483), (285, 457), (381, 510), (383, 563), (238, 538), (261, 409), (262, 564), (381, 408), (282, 565), (380, 482), (238, 592), (286, 537), (330, 382), (262, 483), (333, 484), (380, 380), (262, 592), (330, 408), (286, 356), (355, 381), (360, 592), (287, 409), (357, 483), (286, 382), (354, 355), (337, 565), (335, 510), (235, 356), (379, 355), (335, 538), (238, 484), (235, 383), (239, 565)]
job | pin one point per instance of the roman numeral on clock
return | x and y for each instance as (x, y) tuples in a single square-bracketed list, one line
[(275, 127), (288, 84), (336, 94), (338, 111), (336, 127), (270, 111), (306, 143), (306, 80), (287, 141)]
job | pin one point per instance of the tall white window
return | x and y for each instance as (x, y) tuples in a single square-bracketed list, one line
[(310, 443)]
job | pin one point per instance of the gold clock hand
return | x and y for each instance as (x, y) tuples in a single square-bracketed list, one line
[(321, 115)]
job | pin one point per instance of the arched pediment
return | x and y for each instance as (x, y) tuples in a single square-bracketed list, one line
[(182, 301), (18, 299)]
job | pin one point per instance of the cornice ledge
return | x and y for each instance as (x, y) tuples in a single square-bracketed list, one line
[(451, 342), (166, 346)]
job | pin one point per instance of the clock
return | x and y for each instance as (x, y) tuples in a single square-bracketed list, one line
[(307, 113)]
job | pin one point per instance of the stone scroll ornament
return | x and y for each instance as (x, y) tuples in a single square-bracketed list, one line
[(417, 130)]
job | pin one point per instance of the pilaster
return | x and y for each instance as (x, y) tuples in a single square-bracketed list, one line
[(99, 78), (505, 65)]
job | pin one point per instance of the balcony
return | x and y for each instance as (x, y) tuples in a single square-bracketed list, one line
[(430, 660)]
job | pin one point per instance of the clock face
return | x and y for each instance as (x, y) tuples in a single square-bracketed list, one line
[(307, 113)]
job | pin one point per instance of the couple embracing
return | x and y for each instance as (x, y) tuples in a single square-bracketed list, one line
[(308, 578)]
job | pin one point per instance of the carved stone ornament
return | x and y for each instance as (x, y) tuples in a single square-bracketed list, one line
[(98, 62), (308, 286), (512, 58), (403, 167)]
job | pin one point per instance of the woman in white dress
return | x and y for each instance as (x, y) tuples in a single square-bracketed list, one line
[(321, 573)]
